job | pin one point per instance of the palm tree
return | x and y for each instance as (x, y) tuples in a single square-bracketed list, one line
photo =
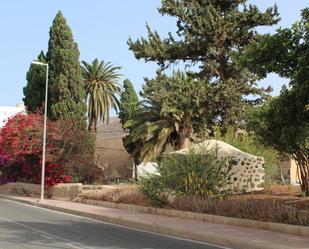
[(154, 128), (102, 90), (172, 113)]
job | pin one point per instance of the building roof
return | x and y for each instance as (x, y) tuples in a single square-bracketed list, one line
[(111, 130), (8, 111)]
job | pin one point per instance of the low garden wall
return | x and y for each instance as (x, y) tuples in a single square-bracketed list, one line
[(70, 191), (23, 189), (66, 191)]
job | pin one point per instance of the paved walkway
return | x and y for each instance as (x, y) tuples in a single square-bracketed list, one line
[(225, 235)]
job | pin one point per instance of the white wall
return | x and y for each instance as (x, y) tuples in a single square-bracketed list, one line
[(8, 111)]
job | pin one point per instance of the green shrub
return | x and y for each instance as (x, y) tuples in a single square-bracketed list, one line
[(154, 189), (199, 174)]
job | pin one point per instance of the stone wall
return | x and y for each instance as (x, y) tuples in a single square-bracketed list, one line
[(248, 172), (70, 191), (24, 189), (66, 191)]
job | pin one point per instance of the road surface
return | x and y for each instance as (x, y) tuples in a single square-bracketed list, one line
[(27, 227)]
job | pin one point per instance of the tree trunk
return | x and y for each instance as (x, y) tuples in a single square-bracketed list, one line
[(183, 142), (302, 161), (92, 127), (135, 171)]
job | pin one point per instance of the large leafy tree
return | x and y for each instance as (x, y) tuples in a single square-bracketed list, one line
[(283, 122), (211, 34), (67, 93), (173, 112), (102, 90), (34, 91)]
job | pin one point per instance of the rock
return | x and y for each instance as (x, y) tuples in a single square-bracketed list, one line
[(144, 170)]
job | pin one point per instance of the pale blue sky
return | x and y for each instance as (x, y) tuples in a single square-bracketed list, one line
[(100, 27)]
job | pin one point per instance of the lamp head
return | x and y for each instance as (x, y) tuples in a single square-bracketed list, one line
[(39, 63)]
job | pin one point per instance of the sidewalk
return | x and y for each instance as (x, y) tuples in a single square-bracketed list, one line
[(225, 235)]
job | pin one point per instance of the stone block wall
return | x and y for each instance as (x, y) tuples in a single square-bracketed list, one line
[(66, 191), (247, 173)]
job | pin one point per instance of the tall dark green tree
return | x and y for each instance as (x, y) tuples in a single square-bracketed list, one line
[(34, 91), (67, 94), (283, 122), (129, 103), (211, 34), (129, 109)]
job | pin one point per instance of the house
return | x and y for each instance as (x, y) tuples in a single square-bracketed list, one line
[(7, 111), (110, 154)]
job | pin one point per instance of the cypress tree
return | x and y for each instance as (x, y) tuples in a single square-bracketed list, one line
[(67, 93), (211, 34), (34, 91), (129, 104), (130, 108)]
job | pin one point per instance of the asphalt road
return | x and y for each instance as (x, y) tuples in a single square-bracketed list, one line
[(28, 227)]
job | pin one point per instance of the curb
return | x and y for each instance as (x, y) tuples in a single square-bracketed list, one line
[(275, 227), (208, 237)]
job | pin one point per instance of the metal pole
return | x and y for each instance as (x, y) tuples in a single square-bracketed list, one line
[(44, 137)]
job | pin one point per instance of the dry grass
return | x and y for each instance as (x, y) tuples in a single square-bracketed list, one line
[(276, 207), (268, 210), (283, 190), (128, 195)]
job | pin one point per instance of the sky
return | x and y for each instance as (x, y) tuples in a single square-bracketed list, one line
[(101, 28)]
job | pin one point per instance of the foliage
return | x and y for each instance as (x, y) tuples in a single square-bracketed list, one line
[(283, 122), (66, 90), (211, 35), (75, 149), (129, 109), (151, 131), (198, 174), (67, 149), (173, 112), (155, 190), (102, 89), (34, 91), (250, 143)]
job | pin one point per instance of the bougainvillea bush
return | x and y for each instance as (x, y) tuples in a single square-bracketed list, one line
[(68, 150)]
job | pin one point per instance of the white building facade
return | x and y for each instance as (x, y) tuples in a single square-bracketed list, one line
[(7, 112)]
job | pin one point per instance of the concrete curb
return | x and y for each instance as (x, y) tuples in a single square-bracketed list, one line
[(276, 227), (206, 236)]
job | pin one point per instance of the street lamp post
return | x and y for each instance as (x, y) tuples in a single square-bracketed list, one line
[(44, 127)]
